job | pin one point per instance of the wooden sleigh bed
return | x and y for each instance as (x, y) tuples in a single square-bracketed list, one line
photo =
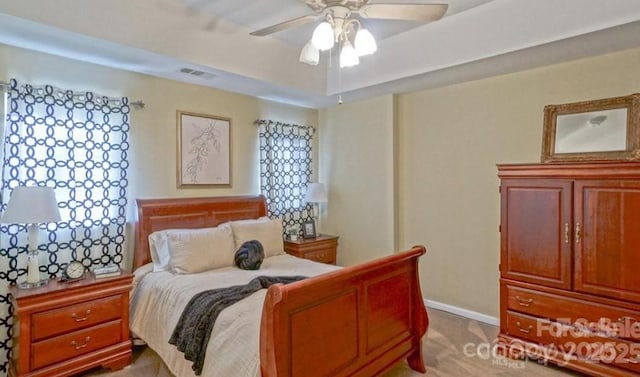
[(357, 321)]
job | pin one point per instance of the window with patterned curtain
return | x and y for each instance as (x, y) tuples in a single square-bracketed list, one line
[(285, 169), (76, 143)]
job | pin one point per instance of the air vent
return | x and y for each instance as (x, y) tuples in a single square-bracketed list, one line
[(195, 72)]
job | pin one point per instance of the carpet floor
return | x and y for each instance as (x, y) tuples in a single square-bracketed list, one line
[(454, 347)]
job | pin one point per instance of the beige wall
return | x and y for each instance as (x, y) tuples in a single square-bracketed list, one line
[(153, 129), (450, 140), (356, 164)]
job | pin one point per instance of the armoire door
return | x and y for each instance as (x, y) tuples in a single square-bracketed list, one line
[(536, 231), (607, 240)]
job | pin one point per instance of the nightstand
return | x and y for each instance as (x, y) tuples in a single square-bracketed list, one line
[(61, 329), (320, 249)]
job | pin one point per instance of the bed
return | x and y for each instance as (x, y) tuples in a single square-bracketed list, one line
[(353, 321)]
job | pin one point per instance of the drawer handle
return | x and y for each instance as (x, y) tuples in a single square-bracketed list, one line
[(527, 330), (524, 302), (79, 346), (626, 318), (81, 319)]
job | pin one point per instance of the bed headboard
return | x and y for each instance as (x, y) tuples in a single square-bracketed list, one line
[(181, 213)]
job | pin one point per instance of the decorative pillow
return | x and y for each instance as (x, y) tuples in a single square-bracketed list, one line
[(197, 250), (250, 255), (268, 232)]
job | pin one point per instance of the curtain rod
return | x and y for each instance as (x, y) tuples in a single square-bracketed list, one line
[(258, 122), (138, 104)]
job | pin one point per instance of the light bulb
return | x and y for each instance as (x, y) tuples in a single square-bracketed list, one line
[(310, 55), (348, 56), (365, 43), (322, 38)]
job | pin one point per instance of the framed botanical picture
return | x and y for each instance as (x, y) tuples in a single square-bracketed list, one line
[(308, 229), (204, 150)]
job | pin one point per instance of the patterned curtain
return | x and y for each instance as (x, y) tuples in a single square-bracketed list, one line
[(285, 170), (76, 143)]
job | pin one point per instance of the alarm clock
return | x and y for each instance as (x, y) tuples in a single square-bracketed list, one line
[(74, 270)]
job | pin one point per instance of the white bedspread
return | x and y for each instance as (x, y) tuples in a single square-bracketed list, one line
[(159, 298)]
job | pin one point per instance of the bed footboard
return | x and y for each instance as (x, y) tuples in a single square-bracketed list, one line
[(358, 321)]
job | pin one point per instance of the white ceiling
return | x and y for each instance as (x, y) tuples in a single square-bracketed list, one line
[(475, 39)]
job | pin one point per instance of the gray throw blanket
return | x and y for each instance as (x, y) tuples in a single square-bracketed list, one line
[(193, 330)]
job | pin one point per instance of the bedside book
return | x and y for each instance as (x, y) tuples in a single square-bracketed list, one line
[(106, 271), (107, 274)]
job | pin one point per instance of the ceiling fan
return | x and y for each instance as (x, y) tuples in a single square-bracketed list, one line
[(341, 27), (344, 9)]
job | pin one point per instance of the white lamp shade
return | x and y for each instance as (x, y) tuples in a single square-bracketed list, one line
[(365, 44), (348, 56), (322, 37), (316, 193), (310, 55), (29, 205)]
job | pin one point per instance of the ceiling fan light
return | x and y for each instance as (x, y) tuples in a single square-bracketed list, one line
[(348, 56), (365, 43), (310, 55), (322, 38)]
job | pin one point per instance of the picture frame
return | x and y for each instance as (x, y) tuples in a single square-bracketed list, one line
[(203, 150), (309, 229), (603, 129)]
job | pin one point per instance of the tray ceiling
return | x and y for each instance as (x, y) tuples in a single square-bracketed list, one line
[(475, 39)]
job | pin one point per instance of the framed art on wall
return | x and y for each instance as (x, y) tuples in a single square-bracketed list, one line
[(204, 150), (603, 129)]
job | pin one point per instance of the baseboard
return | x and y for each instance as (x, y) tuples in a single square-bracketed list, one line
[(462, 312)]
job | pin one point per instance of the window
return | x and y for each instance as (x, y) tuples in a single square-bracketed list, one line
[(76, 143), (285, 169)]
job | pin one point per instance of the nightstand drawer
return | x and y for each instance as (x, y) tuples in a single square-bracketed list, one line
[(320, 249), (77, 343), (323, 256), (75, 317)]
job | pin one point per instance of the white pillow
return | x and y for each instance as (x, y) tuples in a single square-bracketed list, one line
[(268, 232), (159, 248), (263, 219), (159, 245), (197, 250)]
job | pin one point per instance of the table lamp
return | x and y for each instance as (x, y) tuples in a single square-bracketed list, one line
[(316, 194), (32, 205)]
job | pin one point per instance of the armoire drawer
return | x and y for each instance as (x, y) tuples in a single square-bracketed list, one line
[(75, 317), (584, 345), (614, 321)]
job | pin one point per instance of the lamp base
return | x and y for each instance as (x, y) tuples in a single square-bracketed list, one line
[(27, 285)]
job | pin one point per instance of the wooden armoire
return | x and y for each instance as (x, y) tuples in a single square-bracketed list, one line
[(570, 265)]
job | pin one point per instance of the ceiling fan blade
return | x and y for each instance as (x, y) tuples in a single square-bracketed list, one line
[(417, 12), (283, 25)]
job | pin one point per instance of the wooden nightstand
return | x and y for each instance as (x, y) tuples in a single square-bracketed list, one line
[(320, 249), (61, 329)]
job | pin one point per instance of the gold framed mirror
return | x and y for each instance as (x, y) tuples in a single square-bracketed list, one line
[(603, 129)]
